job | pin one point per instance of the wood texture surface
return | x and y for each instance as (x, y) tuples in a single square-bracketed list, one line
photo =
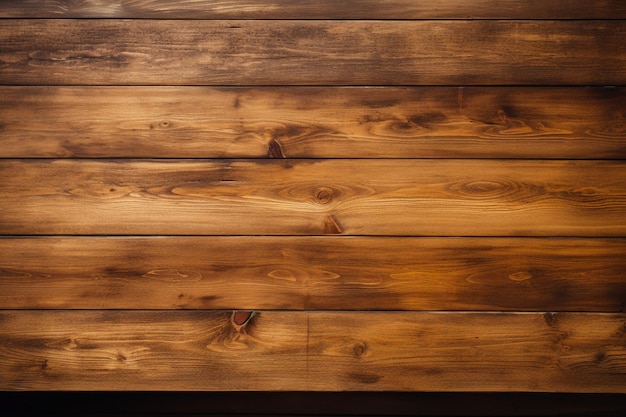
[(310, 273), (249, 52), (356, 195), (314, 197), (327, 273), (422, 122), (316, 9), (351, 351)]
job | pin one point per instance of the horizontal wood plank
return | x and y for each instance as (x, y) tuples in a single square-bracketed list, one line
[(316, 9), (468, 352), (328, 273), (440, 122), (304, 197), (318, 351), (255, 52)]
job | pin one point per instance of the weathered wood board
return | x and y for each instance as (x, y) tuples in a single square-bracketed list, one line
[(327, 351), (305, 122), (309, 52), (315, 9), (314, 197), (276, 196), (308, 273)]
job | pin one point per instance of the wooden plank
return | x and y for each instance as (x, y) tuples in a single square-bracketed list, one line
[(468, 352), (316, 9), (304, 197), (439, 122), (254, 52), (328, 273), (127, 350), (317, 351)]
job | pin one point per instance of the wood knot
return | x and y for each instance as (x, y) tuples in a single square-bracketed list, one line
[(164, 124), (324, 195), (549, 317), (359, 349), (275, 150), (599, 357), (240, 318)]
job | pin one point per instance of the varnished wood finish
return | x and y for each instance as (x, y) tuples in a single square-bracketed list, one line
[(317, 9), (467, 351), (122, 350), (327, 273), (359, 195), (253, 52), (173, 122), (314, 197)]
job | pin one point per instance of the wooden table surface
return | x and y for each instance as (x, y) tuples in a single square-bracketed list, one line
[(321, 196)]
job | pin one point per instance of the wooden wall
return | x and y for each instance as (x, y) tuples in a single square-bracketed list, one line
[(363, 195)]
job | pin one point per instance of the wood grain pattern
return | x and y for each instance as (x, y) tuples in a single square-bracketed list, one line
[(317, 9), (253, 52), (319, 351), (423, 122), (126, 350), (308, 273), (468, 352), (369, 196), (289, 197)]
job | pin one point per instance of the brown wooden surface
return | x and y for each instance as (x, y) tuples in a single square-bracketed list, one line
[(324, 351), (422, 122), (317, 9), (254, 52), (287, 197), (327, 273), (364, 196)]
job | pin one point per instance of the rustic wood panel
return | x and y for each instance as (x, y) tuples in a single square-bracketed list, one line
[(328, 273), (317, 9), (289, 197), (468, 352), (203, 350), (430, 196), (175, 122), (126, 350), (253, 52)]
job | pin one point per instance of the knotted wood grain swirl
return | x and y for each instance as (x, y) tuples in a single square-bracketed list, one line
[(297, 197)]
